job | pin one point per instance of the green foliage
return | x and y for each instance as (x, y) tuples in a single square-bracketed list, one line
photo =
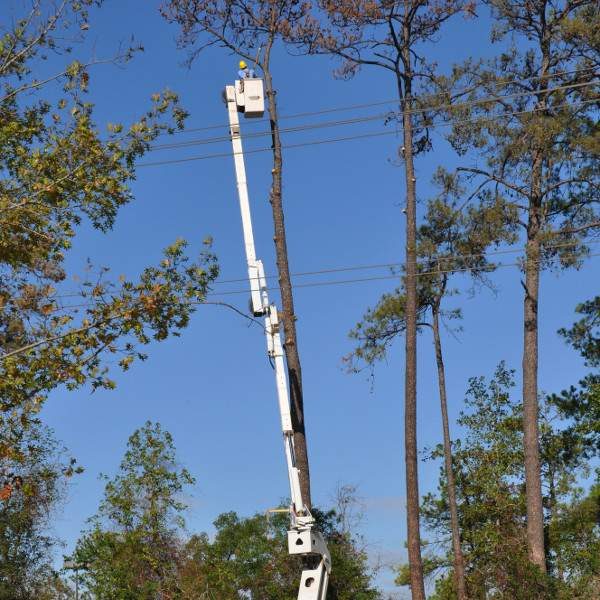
[(581, 403), (32, 487), (248, 558), (538, 155), (57, 171), (431, 565), (48, 344), (136, 547), (575, 539), (451, 238), (489, 470), (584, 335), (131, 550)]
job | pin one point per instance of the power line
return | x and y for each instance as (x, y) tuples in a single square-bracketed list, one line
[(489, 268), (388, 265), (399, 264), (348, 121), (226, 138), (310, 126), (482, 268), (364, 136), (383, 102)]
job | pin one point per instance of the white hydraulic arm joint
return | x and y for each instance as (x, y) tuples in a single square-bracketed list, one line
[(303, 537)]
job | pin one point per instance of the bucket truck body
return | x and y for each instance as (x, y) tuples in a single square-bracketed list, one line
[(303, 537)]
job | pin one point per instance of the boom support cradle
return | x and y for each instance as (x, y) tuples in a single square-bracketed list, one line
[(303, 537)]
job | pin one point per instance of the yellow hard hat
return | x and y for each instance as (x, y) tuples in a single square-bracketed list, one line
[(242, 64)]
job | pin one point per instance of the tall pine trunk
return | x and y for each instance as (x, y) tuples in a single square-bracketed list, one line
[(533, 481), (288, 317), (533, 474), (459, 562), (417, 585)]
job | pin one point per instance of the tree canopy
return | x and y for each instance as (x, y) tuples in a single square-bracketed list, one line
[(489, 472), (514, 511), (131, 548), (59, 169), (32, 489)]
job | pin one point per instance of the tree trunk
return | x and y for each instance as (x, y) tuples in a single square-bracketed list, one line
[(417, 586), (533, 482), (288, 317), (533, 474), (459, 563)]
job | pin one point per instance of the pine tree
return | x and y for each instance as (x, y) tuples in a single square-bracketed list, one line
[(530, 112), (451, 238), (391, 36)]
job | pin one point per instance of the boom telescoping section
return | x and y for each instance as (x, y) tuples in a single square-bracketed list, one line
[(247, 97)]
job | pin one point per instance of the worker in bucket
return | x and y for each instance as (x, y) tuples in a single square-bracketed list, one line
[(244, 73)]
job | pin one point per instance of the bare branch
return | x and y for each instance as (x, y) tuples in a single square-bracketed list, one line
[(492, 177)]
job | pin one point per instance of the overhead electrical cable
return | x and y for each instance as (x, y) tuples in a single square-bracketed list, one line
[(367, 135), (428, 260), (369, 118), (386, 102), (305, 285), (318, 142), (488, 268), (392, 265)]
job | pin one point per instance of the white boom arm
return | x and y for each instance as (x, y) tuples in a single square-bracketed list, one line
[(303, 537)]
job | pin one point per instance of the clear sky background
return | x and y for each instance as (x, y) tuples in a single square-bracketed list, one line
[(213, 388)]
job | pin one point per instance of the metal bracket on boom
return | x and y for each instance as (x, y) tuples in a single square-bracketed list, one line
[(309, 541), (258, 283), (303, 537)]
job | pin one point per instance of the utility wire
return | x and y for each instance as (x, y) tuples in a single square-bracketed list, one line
[(369, 267), (483, 268), (83, 163), (383, 102), (227, 138), (364, 135), (310, 126), (486, 268), (319, 142), (490, 268), (313, 284), (399, 264)]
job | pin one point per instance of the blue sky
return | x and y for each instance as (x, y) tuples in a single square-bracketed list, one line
[(213, 387)]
